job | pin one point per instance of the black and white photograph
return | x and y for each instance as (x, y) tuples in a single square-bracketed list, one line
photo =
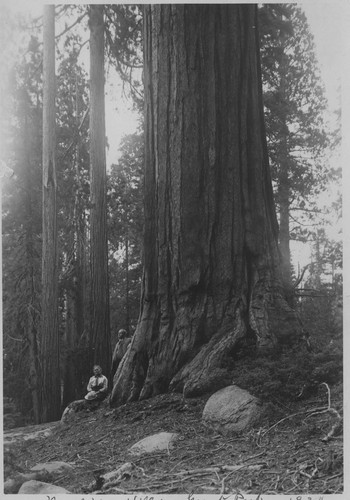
[(174, 206)]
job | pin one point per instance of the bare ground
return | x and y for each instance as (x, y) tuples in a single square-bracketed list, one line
[(298, 449)]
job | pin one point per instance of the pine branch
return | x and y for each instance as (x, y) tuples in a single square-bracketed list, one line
[(76, 134), (71, 26)]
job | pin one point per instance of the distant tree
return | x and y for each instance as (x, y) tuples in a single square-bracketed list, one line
[(123, 32), (50, 354), (125, 207), (100, 328), (294, 108), (21, 236), (211, 264), (73, 202)]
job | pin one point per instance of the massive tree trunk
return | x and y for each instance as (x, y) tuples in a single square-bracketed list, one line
[(100, 329), (212, 270), (51, 386)]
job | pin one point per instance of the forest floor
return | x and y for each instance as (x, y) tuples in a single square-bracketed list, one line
[(288, 454)]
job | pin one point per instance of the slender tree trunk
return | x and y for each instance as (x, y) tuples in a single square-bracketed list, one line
[(69, 384), (100, 328), (284, 231), (127, 292), (51, 390), (211, 259), (283, 185), (31, 289)]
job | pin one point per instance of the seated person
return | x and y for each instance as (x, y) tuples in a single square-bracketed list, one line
[(97, 386)]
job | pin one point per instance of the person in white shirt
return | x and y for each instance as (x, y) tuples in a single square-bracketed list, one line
[(98, 385)]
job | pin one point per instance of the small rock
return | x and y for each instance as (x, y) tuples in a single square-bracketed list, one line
[(232, 410), (158, 442), (32, 487), (54, 468)]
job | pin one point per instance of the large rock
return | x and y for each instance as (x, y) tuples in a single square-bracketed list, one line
[(38, 487), (55, 468), (73, 408), (232, 410), (162, 441)]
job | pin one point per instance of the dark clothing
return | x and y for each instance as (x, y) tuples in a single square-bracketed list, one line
[(118, 354)]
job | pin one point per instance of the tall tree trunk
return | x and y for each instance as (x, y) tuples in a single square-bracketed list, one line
[(284, 230), (211, 259), (127, 284), (283, 182), (100, 328), (31, 289), (69, 385), (51, 389)]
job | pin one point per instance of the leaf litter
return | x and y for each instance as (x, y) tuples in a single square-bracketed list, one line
[(294, 451)]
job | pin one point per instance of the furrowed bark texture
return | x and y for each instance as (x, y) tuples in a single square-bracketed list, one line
[(51, 386), (100, 329), (211, 272)]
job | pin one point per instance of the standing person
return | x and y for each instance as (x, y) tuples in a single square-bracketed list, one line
[(97, 386), (119, 350)]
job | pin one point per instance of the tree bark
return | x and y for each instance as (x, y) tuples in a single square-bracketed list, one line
[(50, 353), (100, 328), (211, 259)]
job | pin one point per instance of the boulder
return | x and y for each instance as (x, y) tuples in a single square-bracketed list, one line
[(72, 409), (162, 441), (13, 484), (38, 487), (55, 468), (232, 410)]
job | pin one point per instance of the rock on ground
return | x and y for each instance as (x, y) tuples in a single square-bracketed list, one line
[(232, 410), (158, 442), (71, 409), (30, 432), (54, 468), (38, 487)]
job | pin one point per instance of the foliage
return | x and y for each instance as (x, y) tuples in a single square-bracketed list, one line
[(125, 225), (123, 31), (294, 101), (295, 105), (294, 374), (22, 224)]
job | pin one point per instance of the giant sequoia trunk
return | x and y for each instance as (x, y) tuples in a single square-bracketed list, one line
[(211, 262)]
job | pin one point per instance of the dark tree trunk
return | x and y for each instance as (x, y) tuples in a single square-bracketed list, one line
[(284, 185), (100, 328), (284, 230), (212, 269), (127, 284), (51, 387)]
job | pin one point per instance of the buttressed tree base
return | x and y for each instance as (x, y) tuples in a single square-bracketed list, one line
[(212, 275)]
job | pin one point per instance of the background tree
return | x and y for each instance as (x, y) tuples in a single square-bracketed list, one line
[(211, 272), (294, 108), (125, 229), (100, 328), (73, 198), (21, 237), (50, 357)]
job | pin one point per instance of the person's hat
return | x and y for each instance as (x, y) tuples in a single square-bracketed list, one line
[(91, 395)]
